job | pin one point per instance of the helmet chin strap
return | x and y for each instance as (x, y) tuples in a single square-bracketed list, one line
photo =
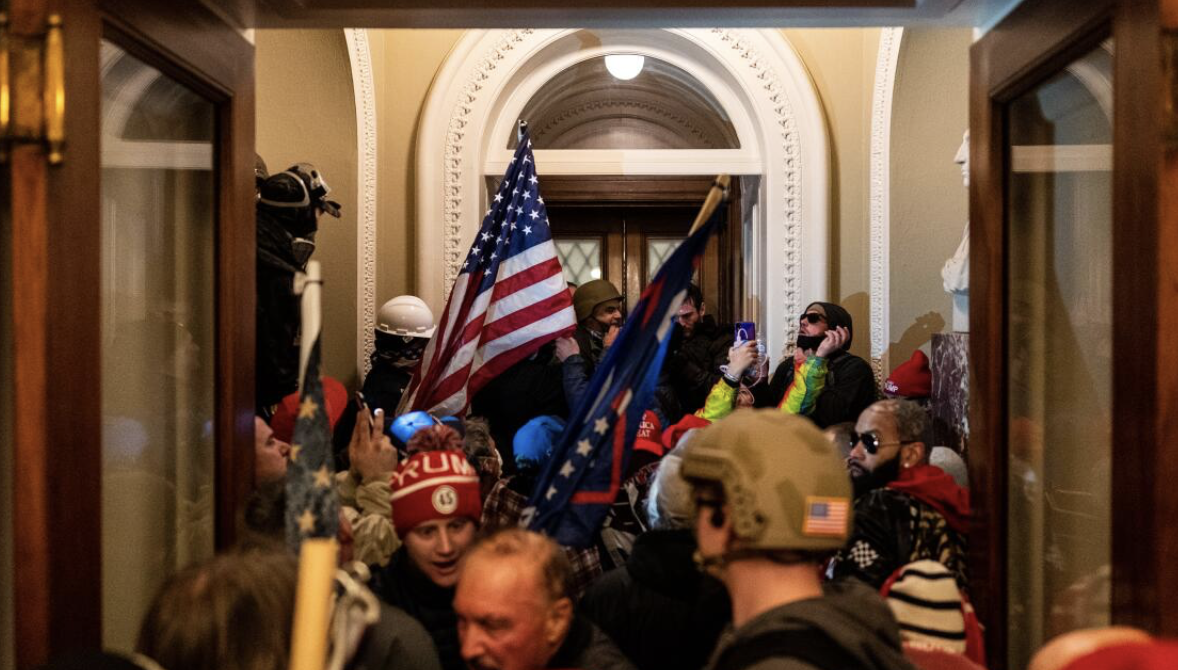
[(705, 563)]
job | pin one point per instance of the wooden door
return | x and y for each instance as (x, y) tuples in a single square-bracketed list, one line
[(131, 272), (1073, 412), (623, 228)]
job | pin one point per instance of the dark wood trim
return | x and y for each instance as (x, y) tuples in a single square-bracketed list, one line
[(987, 356), (236, 299), (1142, 21), (56, 266), (1037, 39), (634, 191), (57, 406), (1144, 577)]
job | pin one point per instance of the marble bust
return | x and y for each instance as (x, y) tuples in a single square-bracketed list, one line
[(955, 274)]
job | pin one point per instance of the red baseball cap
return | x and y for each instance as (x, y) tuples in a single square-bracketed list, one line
[(335, 396), (911, 379), (649, 431)]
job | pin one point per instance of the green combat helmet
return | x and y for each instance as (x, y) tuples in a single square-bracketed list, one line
[(591, 294), (787, 487)]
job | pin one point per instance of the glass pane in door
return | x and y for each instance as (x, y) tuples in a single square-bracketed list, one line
[(580, 257), (658, 250), (1060, 353), (158, 214)]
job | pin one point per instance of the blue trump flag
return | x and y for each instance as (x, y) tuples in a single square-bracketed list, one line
[(582, 478)]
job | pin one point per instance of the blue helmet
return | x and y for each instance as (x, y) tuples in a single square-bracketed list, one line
[(407, 424)]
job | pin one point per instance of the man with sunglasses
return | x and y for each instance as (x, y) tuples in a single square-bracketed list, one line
[(824, 380), (905, 509)]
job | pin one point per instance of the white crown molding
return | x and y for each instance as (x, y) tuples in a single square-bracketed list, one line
[(768, 95), (364, 90), (880, 195)]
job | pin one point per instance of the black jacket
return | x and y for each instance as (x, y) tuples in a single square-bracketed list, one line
[(849, 627), (278, 317), (402, 585), (585, 647), (923, 515), (530, 388), (384, 386), (850, 383), (397, 640), (659, 609), (694, 362)]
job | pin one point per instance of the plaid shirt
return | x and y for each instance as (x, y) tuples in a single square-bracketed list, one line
[(503, 509)]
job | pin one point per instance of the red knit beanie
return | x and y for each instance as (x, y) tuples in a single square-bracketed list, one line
[(911, 379), (433, 485), (649, 431), (674, 433)]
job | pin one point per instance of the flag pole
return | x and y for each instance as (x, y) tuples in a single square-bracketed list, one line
[(317, 556), (716, 195), (309, 285), (309, 632)]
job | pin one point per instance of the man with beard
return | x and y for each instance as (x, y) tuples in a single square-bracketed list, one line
[(403, 328), (824, 380), (905, 509), (697, 350), (598, 307)]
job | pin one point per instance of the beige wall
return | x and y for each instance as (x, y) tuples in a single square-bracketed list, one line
[(306, 112), (841, 62), (929, 204), (404, 63)]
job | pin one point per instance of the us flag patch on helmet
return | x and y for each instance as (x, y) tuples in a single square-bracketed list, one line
[(826, 517)]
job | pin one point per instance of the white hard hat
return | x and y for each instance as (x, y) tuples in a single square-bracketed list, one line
[(407, 316)]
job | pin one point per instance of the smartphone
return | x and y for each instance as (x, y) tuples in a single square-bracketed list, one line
[(364, 408), (745, 331)]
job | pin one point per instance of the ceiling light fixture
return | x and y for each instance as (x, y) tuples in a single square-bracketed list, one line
[(624, 66)]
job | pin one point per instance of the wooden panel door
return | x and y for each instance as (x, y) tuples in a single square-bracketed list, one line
[(1073, 406), (637, 221), (62, 279)]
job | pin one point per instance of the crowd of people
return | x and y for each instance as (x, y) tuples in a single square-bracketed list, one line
[(795, 519)]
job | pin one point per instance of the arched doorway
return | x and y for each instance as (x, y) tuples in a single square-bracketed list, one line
[(469, 121)]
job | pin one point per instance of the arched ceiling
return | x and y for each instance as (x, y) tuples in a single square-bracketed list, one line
[(586, 107)]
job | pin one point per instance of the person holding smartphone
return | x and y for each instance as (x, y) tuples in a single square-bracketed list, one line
[(823, 381)]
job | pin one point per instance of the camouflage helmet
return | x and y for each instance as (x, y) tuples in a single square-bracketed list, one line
[(787, 487), (591, 294)]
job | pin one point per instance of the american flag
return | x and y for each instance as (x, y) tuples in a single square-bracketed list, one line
[(582, 478), (826, 516), (510, 298), (311, 509)]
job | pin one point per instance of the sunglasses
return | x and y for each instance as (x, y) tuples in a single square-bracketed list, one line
[(871, 443), (813, 317)]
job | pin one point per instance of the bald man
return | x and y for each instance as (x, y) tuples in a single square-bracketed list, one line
[(515, 612)]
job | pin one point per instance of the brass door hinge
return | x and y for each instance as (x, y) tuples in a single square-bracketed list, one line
[(32, 89)]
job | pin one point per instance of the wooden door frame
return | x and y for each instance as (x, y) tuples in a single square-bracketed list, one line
[(1004, 64), (56, 259), (639, 191)]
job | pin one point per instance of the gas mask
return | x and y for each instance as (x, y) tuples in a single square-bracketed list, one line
[(302, 248)]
